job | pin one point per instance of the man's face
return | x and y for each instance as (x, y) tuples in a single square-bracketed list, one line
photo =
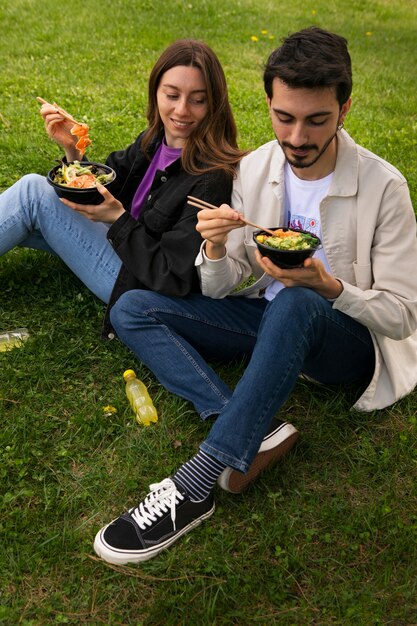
[(305, 123)]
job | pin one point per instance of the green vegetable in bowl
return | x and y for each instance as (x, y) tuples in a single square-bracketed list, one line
[(289, 240), (81, 176)]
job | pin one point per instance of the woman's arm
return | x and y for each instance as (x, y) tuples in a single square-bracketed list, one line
[(160, 249)]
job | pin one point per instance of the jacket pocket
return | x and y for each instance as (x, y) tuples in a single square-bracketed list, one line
[(363, 275)]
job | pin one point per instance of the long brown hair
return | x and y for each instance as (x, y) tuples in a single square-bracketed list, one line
[(213, 144)]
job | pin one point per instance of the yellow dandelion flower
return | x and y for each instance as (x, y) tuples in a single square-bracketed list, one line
[(271, 37), (254, 38), (264, 32), (109, 410), (368, 33), (314, 12)]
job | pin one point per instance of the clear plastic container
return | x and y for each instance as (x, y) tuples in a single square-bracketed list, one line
[(139, 399), (13, 338)]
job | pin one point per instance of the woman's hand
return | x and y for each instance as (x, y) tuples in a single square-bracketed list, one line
[(312, 275), (59, 130), (214, 225), (108, 211)]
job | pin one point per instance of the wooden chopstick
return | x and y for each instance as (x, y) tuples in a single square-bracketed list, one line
[(60, 111), (202, 204)]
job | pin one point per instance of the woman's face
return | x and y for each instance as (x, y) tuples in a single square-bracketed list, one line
[(182, 103)]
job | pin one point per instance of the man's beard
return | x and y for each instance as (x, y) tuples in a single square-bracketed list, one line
[(300, 163)]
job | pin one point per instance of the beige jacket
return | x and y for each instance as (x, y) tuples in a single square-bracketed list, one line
[(369, 237)]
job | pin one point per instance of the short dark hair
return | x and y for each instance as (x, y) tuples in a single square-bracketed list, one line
[(310, 58)]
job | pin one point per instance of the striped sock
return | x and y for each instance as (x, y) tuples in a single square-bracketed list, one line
[(198, 475)]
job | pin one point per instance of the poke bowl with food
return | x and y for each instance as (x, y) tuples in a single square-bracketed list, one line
[(288, 247), (77, 181)]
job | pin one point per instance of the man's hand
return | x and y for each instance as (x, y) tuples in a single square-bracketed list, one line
[(312, 275), (214, 225), (108, 211)]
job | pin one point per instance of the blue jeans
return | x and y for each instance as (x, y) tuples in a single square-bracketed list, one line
[(32, 216), (297, 332)]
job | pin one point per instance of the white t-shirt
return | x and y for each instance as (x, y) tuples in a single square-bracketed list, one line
[(302, 201)]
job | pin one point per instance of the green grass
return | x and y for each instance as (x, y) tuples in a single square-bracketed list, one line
[(329, 537)]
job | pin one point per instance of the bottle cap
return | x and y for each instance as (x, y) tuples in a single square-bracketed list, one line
[(129, 374)]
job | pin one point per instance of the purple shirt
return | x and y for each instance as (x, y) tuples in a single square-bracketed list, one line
[(163, 157)]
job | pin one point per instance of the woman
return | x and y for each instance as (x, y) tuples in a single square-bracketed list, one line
[(143, 233)]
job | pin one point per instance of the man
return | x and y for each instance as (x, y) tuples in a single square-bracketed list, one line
[(349, 315)]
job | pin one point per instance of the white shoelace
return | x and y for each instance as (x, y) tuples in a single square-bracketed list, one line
[(163, 496)]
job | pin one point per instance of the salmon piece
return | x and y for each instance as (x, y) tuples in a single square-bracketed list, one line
[(83, 182), (82, 144), (81, 131), (283, 234)]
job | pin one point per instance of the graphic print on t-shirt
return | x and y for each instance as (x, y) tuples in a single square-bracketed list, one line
[(312, 224), (302, 203)]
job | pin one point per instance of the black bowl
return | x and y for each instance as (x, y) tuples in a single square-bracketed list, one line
[(81, 196), (286, 259)]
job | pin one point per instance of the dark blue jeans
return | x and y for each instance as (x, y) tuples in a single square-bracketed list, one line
[(297, 332)]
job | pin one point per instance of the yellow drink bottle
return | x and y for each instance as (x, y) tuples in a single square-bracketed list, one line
[(13, 338), (139, 399)]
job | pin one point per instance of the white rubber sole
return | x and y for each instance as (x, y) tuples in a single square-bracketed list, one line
[(122, 557)]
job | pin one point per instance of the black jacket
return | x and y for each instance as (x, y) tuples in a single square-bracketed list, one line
[(159, 249)]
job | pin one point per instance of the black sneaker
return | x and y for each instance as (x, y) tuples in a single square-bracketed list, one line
[(158, 521), (279, 439)]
